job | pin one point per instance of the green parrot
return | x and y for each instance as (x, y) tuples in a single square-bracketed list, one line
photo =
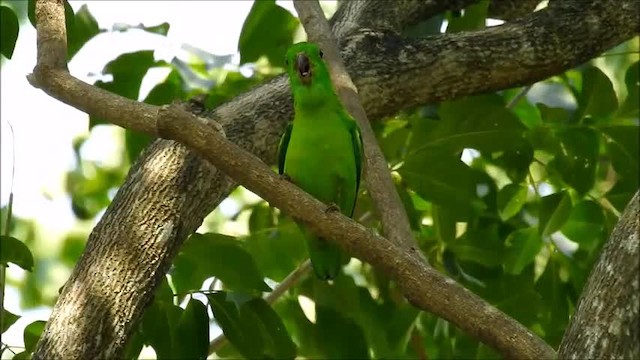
[(321, 151)]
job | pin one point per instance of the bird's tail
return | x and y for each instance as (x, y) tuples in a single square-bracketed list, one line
[(326, 258)]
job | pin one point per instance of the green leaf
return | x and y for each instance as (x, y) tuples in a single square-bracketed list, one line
[(206, 255), (160, 29), (577, 161), (553, 115), (191, 333), (598, 98), (8, 319), (247, 341), (629, 109), (83, 29), (441, 178), (25, 355), (341, 337), (301, 329), (621, 142), (134, 345), (276, 250), (9, 28), (473, 18), (444, 223), (586, 225), (394, 144), (522, 247), (277, 342), (262, 218), (479, 122), (516, 162), (479, 245), (127, 71), (554, 212), (554, 314), (511, 198), (268, 30), (32, 334), (157, 322), (15, 251)]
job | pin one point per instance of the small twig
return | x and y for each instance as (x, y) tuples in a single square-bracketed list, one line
[(287, 283), (393, 216)]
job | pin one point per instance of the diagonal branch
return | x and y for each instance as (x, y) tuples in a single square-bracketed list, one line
[(395, 222)]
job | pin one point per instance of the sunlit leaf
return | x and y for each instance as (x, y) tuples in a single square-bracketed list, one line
[(511, 198), (127, 71), (522, 247), (16, 252), (83, 29), (8, 319), (32, 334), (268, 30)]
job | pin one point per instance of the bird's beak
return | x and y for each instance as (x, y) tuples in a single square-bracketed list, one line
[(303, 65)]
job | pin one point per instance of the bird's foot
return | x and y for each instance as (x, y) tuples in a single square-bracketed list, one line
[(331, 208), (285, 177)]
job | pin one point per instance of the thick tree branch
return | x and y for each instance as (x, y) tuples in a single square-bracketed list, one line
[(131, 248), (606, 323), (384, 15), (393, 216)]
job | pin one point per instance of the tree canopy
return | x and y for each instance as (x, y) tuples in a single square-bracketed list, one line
[(513, 149)]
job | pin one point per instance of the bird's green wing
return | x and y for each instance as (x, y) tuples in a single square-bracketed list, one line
[(282, 148), (356, 140)]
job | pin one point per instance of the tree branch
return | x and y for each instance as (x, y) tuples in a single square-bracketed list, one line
[(393, 216), (606, 323), (170, 189), (383, 15)]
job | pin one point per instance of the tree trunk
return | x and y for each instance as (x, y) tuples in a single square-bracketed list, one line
[(606, 323)]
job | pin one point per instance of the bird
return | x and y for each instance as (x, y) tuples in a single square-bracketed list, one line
[(321, 149)]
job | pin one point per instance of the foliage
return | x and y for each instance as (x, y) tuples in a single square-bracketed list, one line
[(511, 196)]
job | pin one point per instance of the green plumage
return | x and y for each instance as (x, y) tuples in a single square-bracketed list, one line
[(321, 151)]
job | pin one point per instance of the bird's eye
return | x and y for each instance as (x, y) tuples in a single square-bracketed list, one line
[(286, 61), (321, 54)]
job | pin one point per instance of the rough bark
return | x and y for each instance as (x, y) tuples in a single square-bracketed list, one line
[(170, 190), (606, 323)]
